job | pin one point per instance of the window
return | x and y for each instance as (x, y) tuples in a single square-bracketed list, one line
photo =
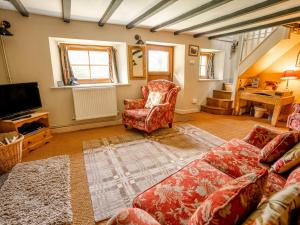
[(89, 64), (160, 62), (203, 62)]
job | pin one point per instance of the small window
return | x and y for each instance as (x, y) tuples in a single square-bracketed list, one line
[(203, 65), (88, 64), (160, 62)]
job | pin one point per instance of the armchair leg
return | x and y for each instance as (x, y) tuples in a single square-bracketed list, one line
[(126, 126), (170, 125)]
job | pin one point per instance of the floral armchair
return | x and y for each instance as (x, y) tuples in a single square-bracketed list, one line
[(149, 119), (293, 121)]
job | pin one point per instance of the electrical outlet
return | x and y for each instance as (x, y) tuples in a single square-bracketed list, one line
[(194, 101)]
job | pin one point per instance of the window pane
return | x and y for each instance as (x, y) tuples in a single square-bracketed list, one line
[(98, 72), (78, 57), (158, 61), (203, 60), (100, 58), (81, 72), (203, 71)]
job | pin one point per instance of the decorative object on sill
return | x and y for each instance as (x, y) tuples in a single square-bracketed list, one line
[(139, 40), (60, 83), (271, 85), (72, 81), (4, 32), (298, 60), (137, 62), (288, 75), (193, 50), (210, 66)]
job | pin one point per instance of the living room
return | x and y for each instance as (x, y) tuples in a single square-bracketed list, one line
[(110, 115)]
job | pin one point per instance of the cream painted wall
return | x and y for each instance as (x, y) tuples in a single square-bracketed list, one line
[(29, 59), (3, 76)]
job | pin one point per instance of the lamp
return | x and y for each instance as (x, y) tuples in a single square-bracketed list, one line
[(288, 75), (4, 32)]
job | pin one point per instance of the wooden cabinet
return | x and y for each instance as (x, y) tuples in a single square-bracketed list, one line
[(36, 137)]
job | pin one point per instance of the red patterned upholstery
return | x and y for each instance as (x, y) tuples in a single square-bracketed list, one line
[(293, 121), (156, 117), (294, 177), (175, 199)]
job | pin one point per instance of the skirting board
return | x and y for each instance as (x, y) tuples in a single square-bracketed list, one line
[(76, 127), (186, 111)]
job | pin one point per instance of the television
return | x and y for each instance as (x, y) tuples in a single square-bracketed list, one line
[(19, 99)]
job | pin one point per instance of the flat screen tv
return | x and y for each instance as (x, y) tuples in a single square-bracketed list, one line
[(19, 99)]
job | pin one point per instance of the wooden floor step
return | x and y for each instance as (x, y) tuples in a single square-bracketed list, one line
[(216, 110), (222, 94), (218, 102), (227, 86)]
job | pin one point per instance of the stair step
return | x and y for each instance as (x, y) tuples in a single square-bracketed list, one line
[(216, 110), (218, 102), (222, 94), (227, 86)]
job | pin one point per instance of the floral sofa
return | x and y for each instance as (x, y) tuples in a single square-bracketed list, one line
[(225, 186), (149, 119), (293, 121)]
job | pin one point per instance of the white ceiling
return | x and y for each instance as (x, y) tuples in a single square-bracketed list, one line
[(92, 10)]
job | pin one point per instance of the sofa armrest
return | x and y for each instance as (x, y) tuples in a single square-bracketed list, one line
[(260, 136), (134, 103), (131, 216)]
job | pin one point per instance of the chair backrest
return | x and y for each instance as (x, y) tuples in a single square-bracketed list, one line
[(163, 86)]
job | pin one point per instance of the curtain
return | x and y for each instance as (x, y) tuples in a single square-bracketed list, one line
[(210, 66), (65, 64), (115, 73)]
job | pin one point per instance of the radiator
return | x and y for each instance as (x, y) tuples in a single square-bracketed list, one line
[(94, 102)]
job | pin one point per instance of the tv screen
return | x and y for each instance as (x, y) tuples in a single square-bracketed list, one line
[(19, 98)]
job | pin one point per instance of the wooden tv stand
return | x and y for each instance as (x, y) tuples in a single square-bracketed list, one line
[(35, 138)]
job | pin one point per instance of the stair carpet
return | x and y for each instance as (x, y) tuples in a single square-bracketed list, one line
[(220, 103)]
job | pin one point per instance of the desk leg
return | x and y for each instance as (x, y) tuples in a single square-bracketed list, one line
[(276, 113)]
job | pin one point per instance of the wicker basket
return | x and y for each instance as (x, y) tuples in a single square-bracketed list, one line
[(10, 155)]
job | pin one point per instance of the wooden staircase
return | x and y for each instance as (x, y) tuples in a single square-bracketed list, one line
[(220, 103)]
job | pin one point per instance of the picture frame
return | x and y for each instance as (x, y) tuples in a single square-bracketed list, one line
[(298, 60), (194, 50)]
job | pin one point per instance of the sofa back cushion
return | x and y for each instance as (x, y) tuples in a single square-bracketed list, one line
[(260, 136), (289, 160), (279, 209), (232, 203), (278, 146)]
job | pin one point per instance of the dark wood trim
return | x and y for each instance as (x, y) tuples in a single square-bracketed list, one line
[(252, 21), (20, 7), (66, 9), (114, 4), (194, 12), (241, 12), (278, 23), (155, 9)]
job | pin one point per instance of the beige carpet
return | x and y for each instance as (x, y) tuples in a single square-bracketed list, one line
[(120, 167), (37, 193)]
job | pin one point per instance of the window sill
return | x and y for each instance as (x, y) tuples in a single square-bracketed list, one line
[(204, 79), (90, 85)]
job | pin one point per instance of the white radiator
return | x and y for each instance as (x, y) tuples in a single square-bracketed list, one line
[(94, 102)]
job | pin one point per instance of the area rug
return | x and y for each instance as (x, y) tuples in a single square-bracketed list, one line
[(120, 167), (37, 193)]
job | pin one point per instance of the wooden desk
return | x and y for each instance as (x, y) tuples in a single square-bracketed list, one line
[(277, 99)]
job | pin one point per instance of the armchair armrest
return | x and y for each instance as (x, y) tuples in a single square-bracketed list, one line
[(134, 103), (158, 115)]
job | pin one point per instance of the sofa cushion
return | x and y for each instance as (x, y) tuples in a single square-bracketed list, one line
[(278, 146), (294, 177), (176, 198), (289, 160), (260, 136), (278, 210), (138, 114), (232, 203), (235, 158)]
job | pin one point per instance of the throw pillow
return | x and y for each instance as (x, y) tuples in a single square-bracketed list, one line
[(278, 210), (260, 136), (154, 99), (278, 146), (288, 160), (232, 203), (294, 177)]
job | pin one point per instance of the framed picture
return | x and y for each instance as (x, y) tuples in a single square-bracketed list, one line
[(298, 60), (193, 50)]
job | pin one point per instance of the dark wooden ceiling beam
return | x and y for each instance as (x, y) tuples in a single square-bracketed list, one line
[(278, 23), (20, 7), (152, 11), (253, 21), (66, 9), (114, 4), (194, 12), (238, 13)]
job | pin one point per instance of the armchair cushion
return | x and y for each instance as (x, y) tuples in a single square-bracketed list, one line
[(233, 202), (138, 114), (154, 99)]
